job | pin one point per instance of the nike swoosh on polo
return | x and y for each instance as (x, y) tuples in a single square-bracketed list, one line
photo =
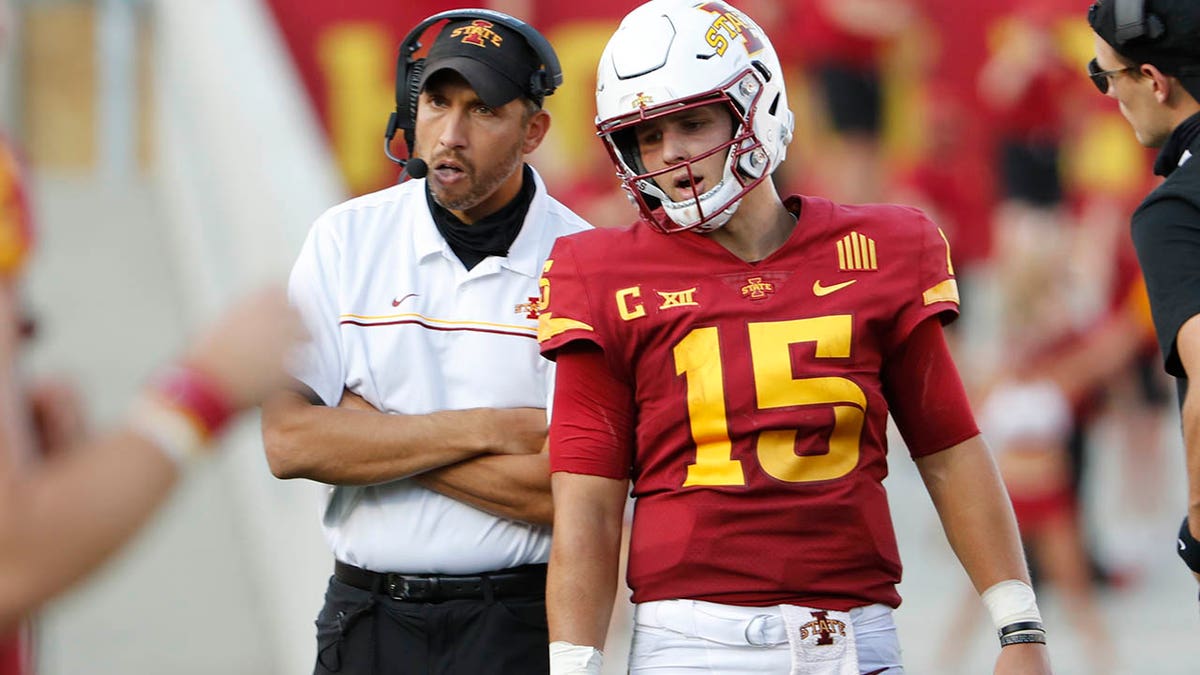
[(819, 290), (396, 302)]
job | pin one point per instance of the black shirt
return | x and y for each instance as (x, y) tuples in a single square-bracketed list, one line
[(1166, 234)]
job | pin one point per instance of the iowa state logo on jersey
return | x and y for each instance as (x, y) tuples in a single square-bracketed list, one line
[(757, 288)]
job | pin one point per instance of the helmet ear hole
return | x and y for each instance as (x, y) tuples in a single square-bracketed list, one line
[(762, 69), (626, 142)]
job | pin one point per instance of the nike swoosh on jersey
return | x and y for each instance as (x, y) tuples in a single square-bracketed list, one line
[(819, 290)]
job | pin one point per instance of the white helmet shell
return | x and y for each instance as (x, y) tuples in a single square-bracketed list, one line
[(670, 55)]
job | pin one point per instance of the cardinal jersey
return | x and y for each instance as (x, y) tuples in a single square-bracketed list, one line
[(760, 447)]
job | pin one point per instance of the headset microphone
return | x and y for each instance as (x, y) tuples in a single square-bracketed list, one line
[(415, 167)]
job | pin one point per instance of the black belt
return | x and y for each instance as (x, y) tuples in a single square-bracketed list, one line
[(526, 580)]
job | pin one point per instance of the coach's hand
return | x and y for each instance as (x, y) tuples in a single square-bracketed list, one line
[(506, 431)]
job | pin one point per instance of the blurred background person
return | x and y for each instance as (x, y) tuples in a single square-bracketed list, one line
[(844, 46)]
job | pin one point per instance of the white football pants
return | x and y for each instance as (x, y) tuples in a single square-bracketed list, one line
[(688, 637)]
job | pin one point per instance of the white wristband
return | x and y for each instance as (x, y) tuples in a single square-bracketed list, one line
[(171, 430), (1011, 601), (572, 659)]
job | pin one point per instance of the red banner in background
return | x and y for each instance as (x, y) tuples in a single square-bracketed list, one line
[(346, 54)]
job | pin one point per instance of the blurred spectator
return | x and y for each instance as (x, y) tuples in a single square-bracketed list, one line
[(843, 45)]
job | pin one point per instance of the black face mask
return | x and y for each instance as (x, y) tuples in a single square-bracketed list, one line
[(1181, 139), (491, 235)]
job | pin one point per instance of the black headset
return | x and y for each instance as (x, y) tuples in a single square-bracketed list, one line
[(542, 83), (1133, 23)]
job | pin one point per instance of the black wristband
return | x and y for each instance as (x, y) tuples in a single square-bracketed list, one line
[(1029, 637), (1019, 626), (1189, 548)]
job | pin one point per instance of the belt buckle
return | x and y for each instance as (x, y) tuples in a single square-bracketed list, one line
[(412, 588)]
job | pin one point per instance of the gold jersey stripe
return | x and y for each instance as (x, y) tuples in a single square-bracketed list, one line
[(949, 264), (947, 291), (549, 326)]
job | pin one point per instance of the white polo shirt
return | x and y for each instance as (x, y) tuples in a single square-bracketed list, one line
[(396, 318)]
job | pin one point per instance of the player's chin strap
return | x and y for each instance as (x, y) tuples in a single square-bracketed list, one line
[(572, 659), (1015, 614)]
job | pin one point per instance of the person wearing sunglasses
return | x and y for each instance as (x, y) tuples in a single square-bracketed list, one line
[(1148, 59)]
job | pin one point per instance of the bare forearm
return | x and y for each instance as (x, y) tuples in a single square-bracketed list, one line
[(975, 511), (61, 519), (584, 558), (516, 487), (339, 446)]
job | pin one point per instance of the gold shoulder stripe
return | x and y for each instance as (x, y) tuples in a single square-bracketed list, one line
[(548, 326), (947, 291)]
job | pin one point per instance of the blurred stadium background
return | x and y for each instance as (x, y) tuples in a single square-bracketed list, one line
[(176, 153)]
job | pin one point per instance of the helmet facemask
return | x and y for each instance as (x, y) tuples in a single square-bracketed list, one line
[(746, 164)]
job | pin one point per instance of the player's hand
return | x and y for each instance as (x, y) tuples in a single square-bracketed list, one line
[(515, 431), (1025, 659), (245, 350)]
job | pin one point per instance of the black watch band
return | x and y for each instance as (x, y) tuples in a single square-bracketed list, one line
[(1027, 637)]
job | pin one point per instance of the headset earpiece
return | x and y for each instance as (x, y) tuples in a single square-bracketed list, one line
[(1133, 23), (542, 83), (414, 90)]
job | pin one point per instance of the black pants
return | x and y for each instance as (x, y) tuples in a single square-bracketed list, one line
[(364, 633)]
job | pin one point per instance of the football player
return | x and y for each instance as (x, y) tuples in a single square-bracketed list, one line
[(734, 357)]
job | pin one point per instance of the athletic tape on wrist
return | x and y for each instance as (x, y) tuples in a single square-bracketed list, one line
[(169, 429), (1011, 601), (572, 659), (195, 394), (1188, 548)]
